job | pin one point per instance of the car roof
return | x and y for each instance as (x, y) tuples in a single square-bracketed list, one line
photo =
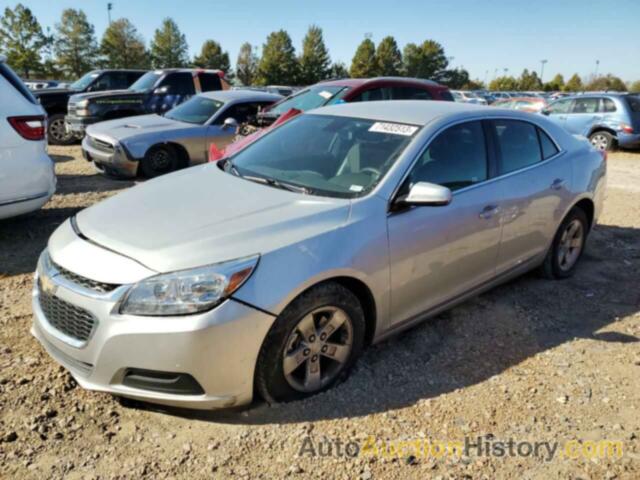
[(356, 82), (243, 95), (415, 112)]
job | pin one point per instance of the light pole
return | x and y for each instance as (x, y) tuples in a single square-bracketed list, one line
[(542, 62), (109, 7), (597, 65), (505, 70)]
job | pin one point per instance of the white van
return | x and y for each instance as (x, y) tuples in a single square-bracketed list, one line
[(27, 176)]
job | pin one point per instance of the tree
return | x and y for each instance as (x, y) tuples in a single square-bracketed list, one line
[(607, 82), (75, 45), (212, 56), (339, 70), (574, 84), (455, 78), (21, 39), (503, 83), (169, 46), (424, 60), (246, 64), (476, 84), (278, 65), (123, 47), (363, 64), (555, 84), (314, 61), (635, 87), (388, 57), (529, 81)]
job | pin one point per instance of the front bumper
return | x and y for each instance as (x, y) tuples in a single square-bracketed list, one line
[(218, 348), (115, 160), (77, 125)]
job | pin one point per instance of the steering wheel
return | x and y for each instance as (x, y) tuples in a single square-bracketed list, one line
[(373, 171)]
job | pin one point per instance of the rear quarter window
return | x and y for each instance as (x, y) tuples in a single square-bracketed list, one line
[(15, 81), (634, 102)]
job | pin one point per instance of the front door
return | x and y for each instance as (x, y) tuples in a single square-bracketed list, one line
[(438, 253)]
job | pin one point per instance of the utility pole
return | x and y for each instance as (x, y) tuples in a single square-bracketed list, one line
[(109, 7), (542, 62), (595, 75), (505, 70)]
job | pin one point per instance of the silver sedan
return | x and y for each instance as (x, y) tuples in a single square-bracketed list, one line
[(272, 270), (154, 145)]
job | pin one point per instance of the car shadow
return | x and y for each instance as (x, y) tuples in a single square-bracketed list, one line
[(74, 184), (58, 158), (476, 341)]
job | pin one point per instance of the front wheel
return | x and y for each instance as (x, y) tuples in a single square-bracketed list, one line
[(312, 344), (57, 131), (158, 161), (602, 141), (567, 247)]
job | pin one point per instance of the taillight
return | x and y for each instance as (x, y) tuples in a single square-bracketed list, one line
[(30, 128), (627, 128)]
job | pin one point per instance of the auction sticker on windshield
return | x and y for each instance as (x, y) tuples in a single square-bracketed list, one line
[(394, 128), (326, 95)]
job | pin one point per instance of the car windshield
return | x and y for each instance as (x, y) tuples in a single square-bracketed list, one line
[(84, 81), (309, 99), (198, 110), (145, 82), (325, 155)]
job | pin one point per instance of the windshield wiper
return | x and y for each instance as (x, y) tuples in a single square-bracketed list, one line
[(272, 182)]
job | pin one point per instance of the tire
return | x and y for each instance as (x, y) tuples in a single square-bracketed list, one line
[(553, 266), (325, 304), (159, 160), (602, 140), (56, 133)]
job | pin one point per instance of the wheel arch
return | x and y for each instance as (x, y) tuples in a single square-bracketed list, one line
[(603, 128)]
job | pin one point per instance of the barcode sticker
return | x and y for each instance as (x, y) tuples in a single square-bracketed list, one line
[(326, 95), (393, 128)]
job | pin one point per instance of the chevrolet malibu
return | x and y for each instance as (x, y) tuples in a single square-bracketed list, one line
[(270, 271)]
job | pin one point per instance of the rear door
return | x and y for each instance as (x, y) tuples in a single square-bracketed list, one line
[(559, 110), (535, 179), (438, 253), (584, 113)]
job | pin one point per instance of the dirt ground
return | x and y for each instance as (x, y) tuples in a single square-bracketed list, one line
[(532, 361)]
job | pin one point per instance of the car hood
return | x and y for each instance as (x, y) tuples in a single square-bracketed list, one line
[(124, 128), (110, 94), (49, 92), (202, 215)]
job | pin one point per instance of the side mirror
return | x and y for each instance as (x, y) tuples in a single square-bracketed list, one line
[(426, 194), (545, 111), (230, 123), (161, 90)]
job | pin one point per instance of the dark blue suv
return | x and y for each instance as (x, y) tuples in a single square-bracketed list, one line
[(606, 119)]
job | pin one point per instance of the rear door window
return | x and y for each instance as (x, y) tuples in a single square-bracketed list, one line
[(410, 93), (586, 105), (608, 105), (560, 107), (179, 83), (209, 82), (517, 144)]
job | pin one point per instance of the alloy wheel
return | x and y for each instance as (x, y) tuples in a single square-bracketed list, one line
[(318, 349), (600, 141), (571, 244), (57, 130)]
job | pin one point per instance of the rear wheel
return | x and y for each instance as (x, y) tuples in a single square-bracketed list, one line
[(312, 345), (602, 141), (568, 246), (158, 161), (57, 131)]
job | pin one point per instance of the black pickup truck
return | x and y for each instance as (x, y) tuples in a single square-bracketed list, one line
[(155, 92), (55, 100)]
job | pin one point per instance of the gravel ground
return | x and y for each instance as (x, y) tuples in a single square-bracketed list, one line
[(532, 360)]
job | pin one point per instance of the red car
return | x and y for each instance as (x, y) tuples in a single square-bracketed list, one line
[(526, 104), (338, 91)]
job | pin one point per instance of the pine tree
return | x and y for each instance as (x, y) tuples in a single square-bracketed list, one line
[(278, 65), (574, 84), (169, 46), (388, 57), (246, 64), (338, 70), (363, 64), (123, 47), (75, 45), (212, 56), (314, 61), (424, 60), (21, 39)]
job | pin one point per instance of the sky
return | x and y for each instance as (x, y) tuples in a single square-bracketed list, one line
[(483, 37)]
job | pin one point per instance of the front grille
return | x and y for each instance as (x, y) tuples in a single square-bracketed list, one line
[(85, 282), (100, 145), (73, 321)]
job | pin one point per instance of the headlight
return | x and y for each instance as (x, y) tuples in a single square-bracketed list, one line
[(82, 103), (187, 291)]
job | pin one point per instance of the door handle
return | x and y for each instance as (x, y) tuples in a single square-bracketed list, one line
[(557, 184), (489, 211)]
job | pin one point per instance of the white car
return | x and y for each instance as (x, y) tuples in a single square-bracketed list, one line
[(27, 176), (465, 96)]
